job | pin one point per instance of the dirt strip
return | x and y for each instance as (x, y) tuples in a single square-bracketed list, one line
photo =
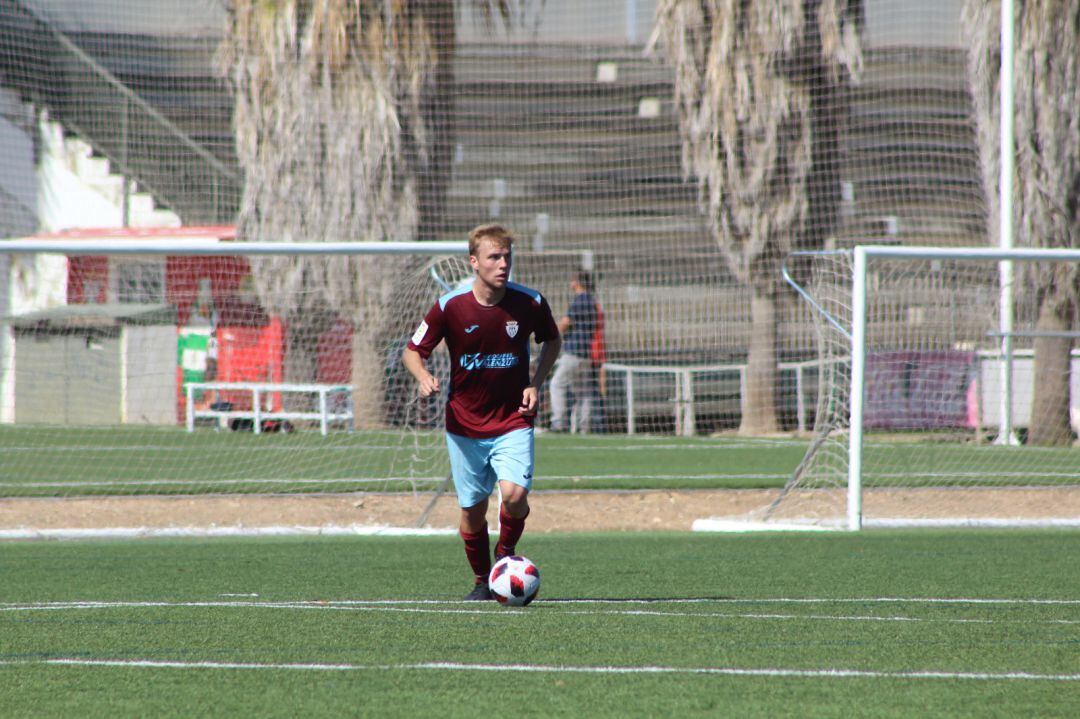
[(553, 511)]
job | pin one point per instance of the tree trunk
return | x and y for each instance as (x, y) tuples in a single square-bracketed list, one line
[(368, 370), (301, 362), (1050, 403), (759, 405), (437, 111)]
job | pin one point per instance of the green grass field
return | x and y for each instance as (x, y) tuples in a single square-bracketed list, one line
[(899, 624), (88, 461)]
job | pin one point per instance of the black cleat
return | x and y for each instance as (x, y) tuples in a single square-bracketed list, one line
[(480, 593)]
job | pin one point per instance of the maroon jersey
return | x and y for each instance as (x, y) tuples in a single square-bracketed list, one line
[(489, 356)]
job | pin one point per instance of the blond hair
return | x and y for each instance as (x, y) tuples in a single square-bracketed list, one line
[(499, 235)]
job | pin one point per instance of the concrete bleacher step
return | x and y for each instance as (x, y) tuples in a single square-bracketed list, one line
[(93, 170), (550, 138), (911, 114), (557, 63)]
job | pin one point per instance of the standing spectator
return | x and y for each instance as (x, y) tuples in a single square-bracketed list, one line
[(574, 372)]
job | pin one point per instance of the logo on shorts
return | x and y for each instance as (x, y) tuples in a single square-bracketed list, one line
[(512, 329)]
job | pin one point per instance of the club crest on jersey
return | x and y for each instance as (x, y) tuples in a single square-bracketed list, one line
[(512, 329)]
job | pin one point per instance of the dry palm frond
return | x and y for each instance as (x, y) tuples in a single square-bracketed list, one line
[(1047, 93), (746, 74), (335, 134)]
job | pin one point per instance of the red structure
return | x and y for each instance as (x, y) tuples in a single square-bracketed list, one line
[(250, 343)]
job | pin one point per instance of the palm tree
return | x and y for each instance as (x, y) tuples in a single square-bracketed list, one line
[(760, 88), (343, 119), (1047, 196)]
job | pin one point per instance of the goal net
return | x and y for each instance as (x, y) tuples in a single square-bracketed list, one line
[(164, 372), (933, 411)]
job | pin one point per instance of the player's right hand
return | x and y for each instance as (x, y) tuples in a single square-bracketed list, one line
[(429, 386)]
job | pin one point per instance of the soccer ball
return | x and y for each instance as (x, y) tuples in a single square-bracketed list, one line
[(514, 581)]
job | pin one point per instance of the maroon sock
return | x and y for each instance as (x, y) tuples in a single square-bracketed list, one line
[(510, 529), (478, 551)]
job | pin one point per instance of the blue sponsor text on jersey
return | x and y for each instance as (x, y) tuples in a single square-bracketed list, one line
[(479, 360)]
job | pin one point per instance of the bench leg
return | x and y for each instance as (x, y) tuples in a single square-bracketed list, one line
[(322, 412), (256, 405)]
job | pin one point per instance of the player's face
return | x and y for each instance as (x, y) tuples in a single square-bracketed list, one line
[(492, 263)]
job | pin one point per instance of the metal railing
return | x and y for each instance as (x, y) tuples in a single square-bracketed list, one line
[(687, 400)]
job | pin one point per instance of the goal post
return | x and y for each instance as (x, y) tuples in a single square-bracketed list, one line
[(152, 366), (912, 369)]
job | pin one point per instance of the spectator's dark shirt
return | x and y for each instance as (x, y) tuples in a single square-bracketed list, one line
[(582, 314)]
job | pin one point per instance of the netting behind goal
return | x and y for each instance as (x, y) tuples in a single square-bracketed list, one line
[(911, 423)]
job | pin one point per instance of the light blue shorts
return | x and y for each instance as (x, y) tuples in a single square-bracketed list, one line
[(476, 464)]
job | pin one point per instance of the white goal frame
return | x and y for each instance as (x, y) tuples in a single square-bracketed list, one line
[(142, 246), (863, 257)]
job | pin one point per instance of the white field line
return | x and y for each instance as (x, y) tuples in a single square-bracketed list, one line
[(163, 448), (342, 447), (425, 607), (1003, 601), (1022, 477), (979, 476), (328, 530), (59, 483), (766, 600), (984, 522), (742, 525), (551, 668)]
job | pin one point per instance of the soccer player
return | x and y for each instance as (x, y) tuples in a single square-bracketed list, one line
[(493, 400)]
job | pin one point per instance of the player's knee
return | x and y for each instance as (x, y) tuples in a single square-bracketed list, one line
[(516, 501)]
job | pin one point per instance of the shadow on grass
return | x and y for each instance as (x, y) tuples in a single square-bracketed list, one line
[(635, 600)]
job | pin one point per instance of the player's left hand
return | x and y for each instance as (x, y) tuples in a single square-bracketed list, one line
[(529, 401)]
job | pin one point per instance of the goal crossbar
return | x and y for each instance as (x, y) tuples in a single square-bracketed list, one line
[(140, 246)]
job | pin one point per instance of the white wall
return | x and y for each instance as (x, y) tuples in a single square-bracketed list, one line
[(65, 199), (40, 281), (184, 18), (1023, 390), (889, 22)]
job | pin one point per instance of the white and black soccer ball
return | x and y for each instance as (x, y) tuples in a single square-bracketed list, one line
[(514, 581)]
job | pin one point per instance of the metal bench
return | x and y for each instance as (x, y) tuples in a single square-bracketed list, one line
[(258, 413)]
